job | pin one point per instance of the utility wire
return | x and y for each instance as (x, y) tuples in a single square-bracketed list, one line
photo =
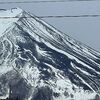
[(69, 16), (10, 2), (65, 16)]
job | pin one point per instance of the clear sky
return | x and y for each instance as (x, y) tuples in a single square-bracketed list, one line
[(86, 30)]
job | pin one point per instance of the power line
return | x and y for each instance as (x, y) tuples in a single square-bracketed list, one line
[(64, 16), (11, 2), (69, 16)]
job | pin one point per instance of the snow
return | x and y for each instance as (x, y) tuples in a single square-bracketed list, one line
[(5, 96), (61, 83), (65, 53), (6, 18), (30, 72), (41, 52), (11, 13), (4, 69)]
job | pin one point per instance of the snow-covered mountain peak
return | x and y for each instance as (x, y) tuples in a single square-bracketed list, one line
[(8, 17), (38, 62), (11, 12)]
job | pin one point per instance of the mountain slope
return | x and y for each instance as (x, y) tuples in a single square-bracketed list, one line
[(38, 62)]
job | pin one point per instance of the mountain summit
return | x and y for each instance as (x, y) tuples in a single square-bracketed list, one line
[(38, 62)]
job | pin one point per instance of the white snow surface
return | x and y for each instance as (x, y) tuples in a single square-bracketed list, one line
[(7, 18), (31, 73)]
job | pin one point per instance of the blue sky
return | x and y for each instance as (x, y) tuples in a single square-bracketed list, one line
[(86, 30)]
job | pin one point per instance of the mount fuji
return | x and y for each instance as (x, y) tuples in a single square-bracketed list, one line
[(38, 62)]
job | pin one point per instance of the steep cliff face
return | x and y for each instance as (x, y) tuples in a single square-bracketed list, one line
[(38, 62)]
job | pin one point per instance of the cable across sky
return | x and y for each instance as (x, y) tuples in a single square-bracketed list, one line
[(61, 16), (42, 1)]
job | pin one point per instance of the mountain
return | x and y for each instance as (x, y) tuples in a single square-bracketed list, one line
[(38, 62)]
